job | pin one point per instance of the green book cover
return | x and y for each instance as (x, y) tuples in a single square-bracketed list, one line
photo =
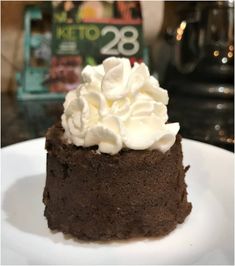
[(86, 32)]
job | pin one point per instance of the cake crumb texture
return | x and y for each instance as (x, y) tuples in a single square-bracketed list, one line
[(96, 196)]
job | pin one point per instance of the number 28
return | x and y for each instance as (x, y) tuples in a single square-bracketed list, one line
[(117, 45)]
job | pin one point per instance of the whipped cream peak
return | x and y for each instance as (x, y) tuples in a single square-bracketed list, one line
[(118, 106)]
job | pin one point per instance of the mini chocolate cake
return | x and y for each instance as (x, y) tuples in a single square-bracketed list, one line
[(114, 164), (98, 196)]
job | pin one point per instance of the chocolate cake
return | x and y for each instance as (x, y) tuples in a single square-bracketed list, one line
[(114, 164), (98, 196)]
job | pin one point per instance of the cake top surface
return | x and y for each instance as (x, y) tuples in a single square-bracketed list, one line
[(118, 106)]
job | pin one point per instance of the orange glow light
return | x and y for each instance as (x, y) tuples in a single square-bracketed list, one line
[(180, 31), (178, 37)]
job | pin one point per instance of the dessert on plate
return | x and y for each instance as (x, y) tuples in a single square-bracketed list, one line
[(114, 164)]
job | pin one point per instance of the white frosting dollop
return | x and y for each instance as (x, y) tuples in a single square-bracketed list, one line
[(118, 106)]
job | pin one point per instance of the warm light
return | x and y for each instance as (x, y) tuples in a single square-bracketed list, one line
[(230, 54), (224, 60), (178, 37), (221, 132), (230, 47), (180, 31), (228, 140), (183, 25), (216, 53)]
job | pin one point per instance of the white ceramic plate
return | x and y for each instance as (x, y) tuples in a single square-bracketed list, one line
[(206, 236)]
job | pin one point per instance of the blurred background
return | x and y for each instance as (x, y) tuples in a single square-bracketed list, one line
[(189, 47)]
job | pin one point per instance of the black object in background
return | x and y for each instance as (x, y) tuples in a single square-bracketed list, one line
[(200, 71)]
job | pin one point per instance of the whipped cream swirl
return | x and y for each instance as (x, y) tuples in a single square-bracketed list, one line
[(118, 106)]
